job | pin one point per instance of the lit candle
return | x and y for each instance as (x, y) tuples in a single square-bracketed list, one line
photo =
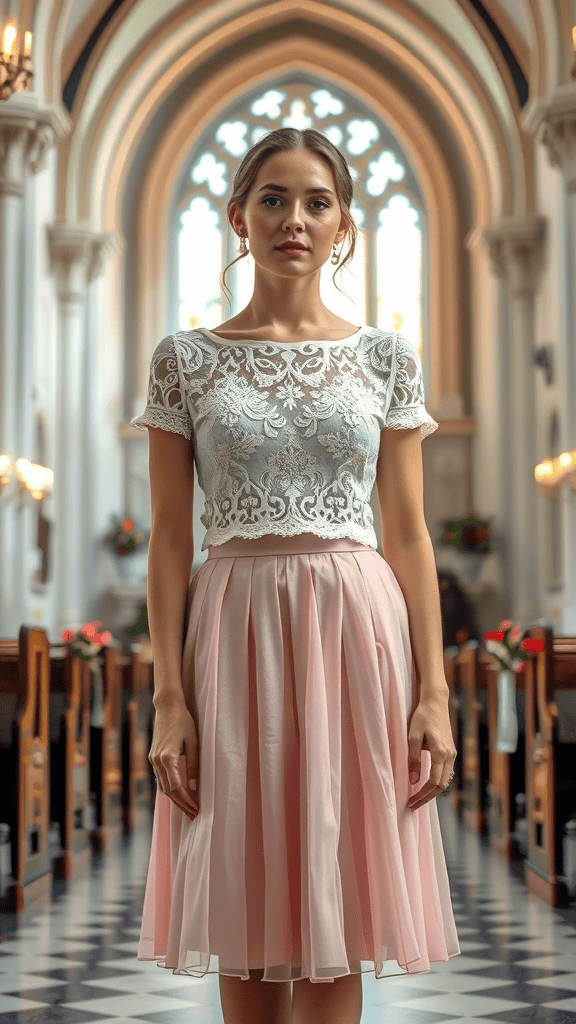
[(27, 43), (9, 37)]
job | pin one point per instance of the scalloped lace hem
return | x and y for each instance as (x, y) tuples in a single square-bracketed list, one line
[(404, 419), (215, 538), (163, 419)]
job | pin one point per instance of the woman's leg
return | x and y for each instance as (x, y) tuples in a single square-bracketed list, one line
[(254, 1001), (337, 1002)]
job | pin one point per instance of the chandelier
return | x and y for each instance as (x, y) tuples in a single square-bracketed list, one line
[(15, 69)]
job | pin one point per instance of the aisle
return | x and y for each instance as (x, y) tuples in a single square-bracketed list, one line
[(76, 963)]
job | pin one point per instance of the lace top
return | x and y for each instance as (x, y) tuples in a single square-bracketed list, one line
[(286, 436)]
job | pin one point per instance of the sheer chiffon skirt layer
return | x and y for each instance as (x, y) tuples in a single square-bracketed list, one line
[(304, 859)]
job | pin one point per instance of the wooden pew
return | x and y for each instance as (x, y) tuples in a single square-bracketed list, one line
[(25, 767), (507, 771), (150, 734), (452, 675), (70, 682), (106, 754), (137, 711), (550, 764), (473, 696)]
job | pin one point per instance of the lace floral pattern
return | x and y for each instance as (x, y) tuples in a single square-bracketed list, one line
[(165, 405), (286, 438)]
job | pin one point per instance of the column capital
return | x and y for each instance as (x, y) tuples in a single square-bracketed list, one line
[(27, 131), (553, 121), (516, 249), (78, 249)]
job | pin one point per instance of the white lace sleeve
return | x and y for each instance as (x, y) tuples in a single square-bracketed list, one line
[(407, 408), (166, 402)]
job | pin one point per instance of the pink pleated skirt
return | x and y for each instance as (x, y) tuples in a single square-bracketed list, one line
[(304, 859)]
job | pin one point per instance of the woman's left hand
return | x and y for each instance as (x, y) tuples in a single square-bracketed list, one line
[(430, 729)]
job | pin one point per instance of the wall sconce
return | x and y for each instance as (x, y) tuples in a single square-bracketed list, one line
[(543, 357), (15, 70), (551, 473), (26, 476)]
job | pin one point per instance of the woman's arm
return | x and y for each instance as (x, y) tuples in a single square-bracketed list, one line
[(170, 555), (169, 567), (414, 566), (408, 550)]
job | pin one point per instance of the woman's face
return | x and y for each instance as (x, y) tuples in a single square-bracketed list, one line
[(274, 215)]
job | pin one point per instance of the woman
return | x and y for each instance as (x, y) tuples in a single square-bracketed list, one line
[(289, 843)]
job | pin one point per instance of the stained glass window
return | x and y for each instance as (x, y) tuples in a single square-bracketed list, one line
[(381, 286)]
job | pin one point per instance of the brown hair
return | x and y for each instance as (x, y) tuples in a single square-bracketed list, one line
[(292, 138)]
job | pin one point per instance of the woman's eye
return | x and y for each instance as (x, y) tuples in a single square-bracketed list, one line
[(323, 207)]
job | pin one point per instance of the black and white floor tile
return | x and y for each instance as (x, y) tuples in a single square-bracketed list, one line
[(75, 962)]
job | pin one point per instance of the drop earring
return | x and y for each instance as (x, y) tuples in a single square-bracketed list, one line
[(243, 246), (335, 255)]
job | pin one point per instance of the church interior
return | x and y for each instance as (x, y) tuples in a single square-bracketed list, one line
[(122, 124)]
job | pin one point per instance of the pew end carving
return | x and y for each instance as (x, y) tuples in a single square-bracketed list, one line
[(507, 771), (473, 697), (550, 775), (137, 772), (70, 683), (106, 754), (25, 763), (452, 676)]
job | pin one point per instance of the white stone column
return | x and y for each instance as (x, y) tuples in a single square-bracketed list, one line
[(26, 134), (516, 247), (76, 253), (555, 120)]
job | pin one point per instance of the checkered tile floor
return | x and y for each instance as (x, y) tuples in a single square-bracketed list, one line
[(76, 962)]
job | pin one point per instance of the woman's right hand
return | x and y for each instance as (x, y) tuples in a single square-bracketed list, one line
[(175, 734)]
